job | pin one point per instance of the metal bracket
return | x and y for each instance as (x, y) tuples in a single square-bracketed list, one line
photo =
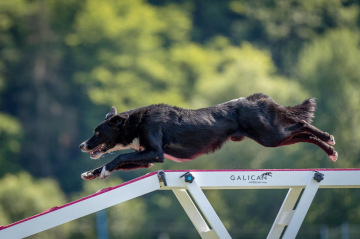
[(161, 175), (318, 176), (189, 178)]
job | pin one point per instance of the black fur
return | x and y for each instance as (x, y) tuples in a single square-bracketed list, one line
[(181, 134)]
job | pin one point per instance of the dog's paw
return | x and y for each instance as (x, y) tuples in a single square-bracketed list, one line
[(104, 173), (89, 175), (332, 140), (334, 156), (92, 174)]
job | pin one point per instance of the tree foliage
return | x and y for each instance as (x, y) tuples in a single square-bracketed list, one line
[(22, 196), (64, 63)]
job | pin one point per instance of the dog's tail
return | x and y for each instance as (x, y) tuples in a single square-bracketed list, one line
[(304, 111)]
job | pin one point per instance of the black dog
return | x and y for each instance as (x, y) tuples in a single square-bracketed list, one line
[(159, 131)]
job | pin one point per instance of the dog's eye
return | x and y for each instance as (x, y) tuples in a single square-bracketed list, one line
[(97, 133)]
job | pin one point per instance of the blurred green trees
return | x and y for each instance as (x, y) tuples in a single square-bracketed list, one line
[(129, 49), (64, 63), (22, 196), (10, 135)]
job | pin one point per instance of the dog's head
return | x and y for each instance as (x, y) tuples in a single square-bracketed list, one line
[(107, 135)]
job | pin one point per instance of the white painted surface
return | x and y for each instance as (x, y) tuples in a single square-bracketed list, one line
[(81, 208), (209, 234), (288, 204), (252, 179), (286, 217), (302, 208), (206, 208), (193, 214), (279, 179)]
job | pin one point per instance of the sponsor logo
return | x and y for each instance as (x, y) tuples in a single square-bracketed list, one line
[(252, 178)]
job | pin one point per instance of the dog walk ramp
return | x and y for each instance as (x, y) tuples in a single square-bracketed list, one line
[(197, 207)]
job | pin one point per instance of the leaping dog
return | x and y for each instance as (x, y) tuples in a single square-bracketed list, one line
[(161, 131)]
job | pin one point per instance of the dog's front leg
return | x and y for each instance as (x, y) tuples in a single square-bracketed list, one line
[(132, 166), (92, 174), (146, 156), (143, 157), (153, 153)]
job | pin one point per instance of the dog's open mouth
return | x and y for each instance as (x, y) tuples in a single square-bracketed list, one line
[(97, 150)]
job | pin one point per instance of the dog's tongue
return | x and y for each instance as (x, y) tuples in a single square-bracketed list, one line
[(94, 153), (97, 150)]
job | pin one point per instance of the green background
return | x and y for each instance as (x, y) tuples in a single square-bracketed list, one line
[(64, 63)]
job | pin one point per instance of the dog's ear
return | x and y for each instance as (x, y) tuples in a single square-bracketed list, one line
[(118, 120), (112, 113)]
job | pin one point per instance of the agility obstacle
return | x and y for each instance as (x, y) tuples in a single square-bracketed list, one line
[(197, 207)]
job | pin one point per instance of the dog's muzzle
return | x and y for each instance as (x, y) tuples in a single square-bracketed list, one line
[(82, 146)]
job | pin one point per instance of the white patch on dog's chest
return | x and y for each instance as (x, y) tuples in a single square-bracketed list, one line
[(135, 144), (117, 148)]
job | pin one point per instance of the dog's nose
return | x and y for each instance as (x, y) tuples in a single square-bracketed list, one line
[(82, 145)]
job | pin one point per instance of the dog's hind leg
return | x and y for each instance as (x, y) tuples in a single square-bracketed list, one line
[(308, 138), (306, 127)]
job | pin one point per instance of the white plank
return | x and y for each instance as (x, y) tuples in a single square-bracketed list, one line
[(193, 214), (206, 208), (82, 208), (214, 179), (288, 204), (302, 208), (277, 180)]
